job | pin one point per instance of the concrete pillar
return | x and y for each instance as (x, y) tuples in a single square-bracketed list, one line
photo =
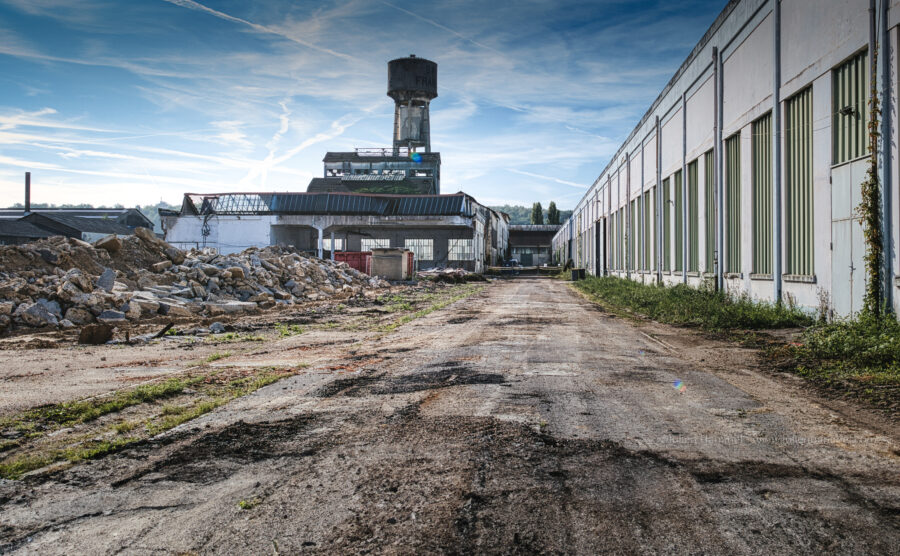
[(320, 242), (332, 245)]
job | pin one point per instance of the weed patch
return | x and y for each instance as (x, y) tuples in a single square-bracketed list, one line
[(287, 330), (859, 357), (687, 306), (218, 355)]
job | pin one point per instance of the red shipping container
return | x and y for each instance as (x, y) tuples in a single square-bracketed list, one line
[(360, 260)]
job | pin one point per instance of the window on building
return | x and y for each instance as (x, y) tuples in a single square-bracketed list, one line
[(849, 99), (709, 201), (762, 195), (367, 244), (733, 199), (423, 249), (338, 243), (679, 221), (461, 250), (666, 234), (799, 197), (693, 170)]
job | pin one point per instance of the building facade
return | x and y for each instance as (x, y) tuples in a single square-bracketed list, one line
[(441, 230), (530, 244), (746, 171)]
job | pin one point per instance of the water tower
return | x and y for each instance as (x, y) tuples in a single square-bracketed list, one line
[(412, 83)]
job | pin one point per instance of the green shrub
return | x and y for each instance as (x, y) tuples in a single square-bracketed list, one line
[(868, 346)]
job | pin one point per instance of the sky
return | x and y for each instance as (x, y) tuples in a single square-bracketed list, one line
[(138, 101)]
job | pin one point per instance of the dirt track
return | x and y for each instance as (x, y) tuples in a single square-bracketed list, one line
[(521, 420)]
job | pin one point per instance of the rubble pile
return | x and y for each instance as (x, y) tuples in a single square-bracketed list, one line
[(64, 282), (450, 275)]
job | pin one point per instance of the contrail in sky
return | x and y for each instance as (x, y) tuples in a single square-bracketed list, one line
[(192, 5)]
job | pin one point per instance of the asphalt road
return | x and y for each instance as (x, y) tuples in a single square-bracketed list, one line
[(521, 420)]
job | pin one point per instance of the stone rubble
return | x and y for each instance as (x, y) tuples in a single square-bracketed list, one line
[(64, 282)]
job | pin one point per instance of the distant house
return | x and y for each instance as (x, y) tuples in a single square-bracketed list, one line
[(128, 217), (86, 224), (14, 232), (87, 229)]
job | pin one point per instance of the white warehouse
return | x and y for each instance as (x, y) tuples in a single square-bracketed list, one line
[(746, 170)]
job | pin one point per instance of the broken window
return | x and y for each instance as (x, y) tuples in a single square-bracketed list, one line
[(461, 250), (369, 243), (423, 249), (338, 243)]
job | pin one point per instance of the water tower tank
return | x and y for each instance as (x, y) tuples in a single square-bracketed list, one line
[(412, 83), (412, 78)]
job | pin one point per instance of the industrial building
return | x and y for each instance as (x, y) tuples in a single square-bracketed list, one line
[(746, 170), (441, 230), (531, 244), (367, 199)]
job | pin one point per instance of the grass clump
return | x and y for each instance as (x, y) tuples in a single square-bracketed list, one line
[(688, 306), (71, 413), (232, 337), (218, 355), (248, 504), (288, 330)]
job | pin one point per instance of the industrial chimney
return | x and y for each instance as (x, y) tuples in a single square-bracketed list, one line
[(412, 83), (27, 193)]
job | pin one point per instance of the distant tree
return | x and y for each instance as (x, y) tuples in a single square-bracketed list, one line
[(522, 215), (537, 214), (552, 214)]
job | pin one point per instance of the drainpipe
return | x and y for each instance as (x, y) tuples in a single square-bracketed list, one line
[(886, 178), (776, 152), (684, 210), (608, 226), (720, 175), (618, 200), (715, 62), (641, 209), (658, 228), (628, 217)]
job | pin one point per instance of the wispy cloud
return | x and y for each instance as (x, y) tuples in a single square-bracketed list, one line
[(191, 4)]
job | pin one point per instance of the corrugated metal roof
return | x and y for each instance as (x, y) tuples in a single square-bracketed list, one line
[(458, 204), (90, 225), (20, 228), (116, 214)]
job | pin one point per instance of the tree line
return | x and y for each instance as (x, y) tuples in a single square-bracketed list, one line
[(529, 215)]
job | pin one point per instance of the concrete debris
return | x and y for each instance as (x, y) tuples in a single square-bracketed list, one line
[(110, 243), (95, 334), (141, 276), (450, 275)]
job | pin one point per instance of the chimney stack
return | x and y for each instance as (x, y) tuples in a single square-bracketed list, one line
[(27, 193)]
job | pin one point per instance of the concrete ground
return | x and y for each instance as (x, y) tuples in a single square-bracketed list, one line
[(521, 420)]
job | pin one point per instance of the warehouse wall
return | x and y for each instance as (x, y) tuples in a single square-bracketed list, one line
[(816, 37)]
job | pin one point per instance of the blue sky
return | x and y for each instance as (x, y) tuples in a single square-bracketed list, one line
[(136, 101)]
